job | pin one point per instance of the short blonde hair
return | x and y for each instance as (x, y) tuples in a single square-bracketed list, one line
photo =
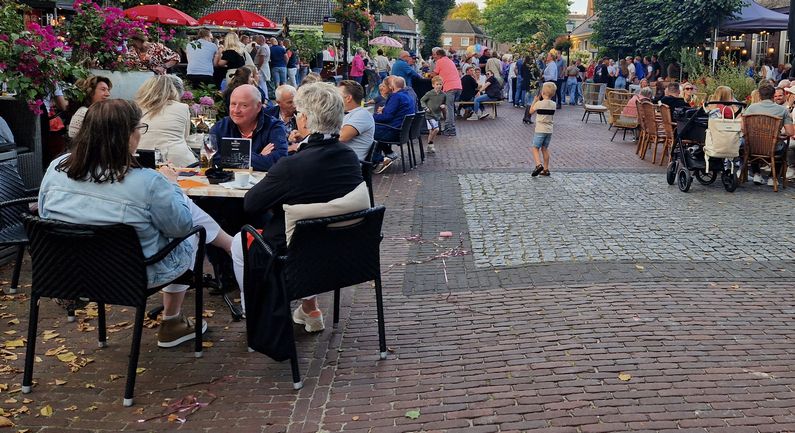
[(232, 42), (548, 89), (436, 79), (155, 94)]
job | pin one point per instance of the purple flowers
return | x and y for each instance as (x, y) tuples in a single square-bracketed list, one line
[(187, 96), (196, 109), (206, 101)]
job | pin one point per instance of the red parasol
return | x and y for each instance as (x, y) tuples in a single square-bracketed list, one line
[(161, 14), (237, 18)]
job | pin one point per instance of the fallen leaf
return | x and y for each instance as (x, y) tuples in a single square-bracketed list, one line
[(208, 313), (90, 386), (23, 431), (13, 322), (624, 376), (3, 387), (140, 370), (27, 401), (12, 332), (59, 382), (19, 342), (115, 377), (38, 359), (172, 417), (67, 357), (10, 401), (5, 422), (207, 344), (46, 410), (71, 408), (91, 408), (413, 414), (639, 267), (55, 351), (355, 418)]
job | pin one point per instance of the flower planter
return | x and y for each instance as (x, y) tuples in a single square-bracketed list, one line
[(125, 84)]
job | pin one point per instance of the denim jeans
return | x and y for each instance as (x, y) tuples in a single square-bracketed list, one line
[(450, 97), (520, 94), (292, 73), (479, 100), (560, 94), (279, 74), (621, 83), (573, 90)]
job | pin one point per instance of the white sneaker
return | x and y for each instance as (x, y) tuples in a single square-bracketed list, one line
[(312, 322), (769, 181), (758, 179), (791, 173)]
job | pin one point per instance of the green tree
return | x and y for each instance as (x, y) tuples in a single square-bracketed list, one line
[(509, 20), (432, 14), (194, 8), (467, 11), (658, 26), (389, 7)]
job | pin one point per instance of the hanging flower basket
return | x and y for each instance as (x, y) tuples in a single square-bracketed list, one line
[(363, 22)]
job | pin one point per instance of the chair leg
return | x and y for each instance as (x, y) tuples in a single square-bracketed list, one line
[(614, 134), (135, 351), (774, 173), (198, 323), (379, 302), (101, 325), (402, 160), (422, 151), (336, 307), (412, 154), (583, 116), (297, 383), (17, 269), (30, 352), (654, 155)]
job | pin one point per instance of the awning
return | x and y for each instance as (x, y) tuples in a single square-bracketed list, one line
[(754, 18)]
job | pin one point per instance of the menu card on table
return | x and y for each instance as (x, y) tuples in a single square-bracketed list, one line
[(235, 152)]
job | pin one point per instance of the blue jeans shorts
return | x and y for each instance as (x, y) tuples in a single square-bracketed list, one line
[(541, 140)]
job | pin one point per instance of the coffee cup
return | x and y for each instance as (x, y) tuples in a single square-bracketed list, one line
[(241, 179)]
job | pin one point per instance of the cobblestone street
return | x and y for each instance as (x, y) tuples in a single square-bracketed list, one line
[(599, 299)]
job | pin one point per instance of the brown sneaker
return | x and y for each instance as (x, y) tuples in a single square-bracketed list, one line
[(176, 331)]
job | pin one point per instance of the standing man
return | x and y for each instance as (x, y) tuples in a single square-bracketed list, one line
[(561, 81), (200, 59), (262, 60), (381, 65), (403, 68), (551, 70), (451, 86), (278, 63), (292, 63)]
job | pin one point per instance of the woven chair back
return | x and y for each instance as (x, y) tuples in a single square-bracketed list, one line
[(103, 263), (667, 121), (761, 133), (593, 93), (11, 188)]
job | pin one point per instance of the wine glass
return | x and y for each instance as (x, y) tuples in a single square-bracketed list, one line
[(210, 147), (160, 159)]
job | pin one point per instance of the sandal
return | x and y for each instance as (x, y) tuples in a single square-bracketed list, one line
[(539, 168), (545, 173)]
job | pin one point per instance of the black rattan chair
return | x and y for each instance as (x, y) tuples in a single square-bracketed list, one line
[(14, 200), (405, 130), (415, 134), (103, 264), (322, 257), (367, 172)]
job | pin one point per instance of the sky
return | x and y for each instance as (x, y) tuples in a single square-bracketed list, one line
[(576, 5)]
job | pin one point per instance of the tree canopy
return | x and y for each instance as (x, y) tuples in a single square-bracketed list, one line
[(432, 14), (509, 20), (658, 26), (467, 11)]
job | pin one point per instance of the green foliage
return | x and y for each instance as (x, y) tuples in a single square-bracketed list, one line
[(692, 63), (308, 42), (509, 20), (194, 8), (658, 26), (726, 74), (467, 11), (363, 23), (389, 7), (11, 17), (581, 55), (389, 52), (562, 43), (432, 14)]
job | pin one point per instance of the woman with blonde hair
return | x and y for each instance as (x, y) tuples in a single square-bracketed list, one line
[(722, 94), (227, 61), (96, 89), (168, 120)]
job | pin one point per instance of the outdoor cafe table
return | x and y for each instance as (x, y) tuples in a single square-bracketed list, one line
[(199, 186)]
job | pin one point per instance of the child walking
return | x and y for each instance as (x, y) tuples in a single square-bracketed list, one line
[(433, 101), (544, 107)]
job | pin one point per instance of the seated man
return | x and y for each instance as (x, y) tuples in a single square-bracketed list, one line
[(767, 106), (389, 120), (631, 109), (247, 119), (672, 98), (322, 170), (284, 109), (358, 125)]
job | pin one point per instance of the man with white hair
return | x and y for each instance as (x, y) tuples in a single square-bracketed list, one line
[(327, 170), (262, 60), (247, 119), (284, 109), (389, 120)]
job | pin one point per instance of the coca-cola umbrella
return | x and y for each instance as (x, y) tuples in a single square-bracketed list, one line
[(237, 18), (160, 14)]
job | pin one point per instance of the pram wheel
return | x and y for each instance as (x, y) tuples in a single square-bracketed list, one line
[(670, 174), (705, 178), (729, 180), (685, 180)]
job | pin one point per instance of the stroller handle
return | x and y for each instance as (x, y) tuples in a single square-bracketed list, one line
[(739, 104)]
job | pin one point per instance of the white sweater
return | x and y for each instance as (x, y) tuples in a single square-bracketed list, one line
[(168, 131)]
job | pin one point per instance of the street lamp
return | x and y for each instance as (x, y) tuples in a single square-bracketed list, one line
[(569, 28)]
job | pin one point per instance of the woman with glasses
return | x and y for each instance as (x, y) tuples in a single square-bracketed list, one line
[(102, 175), (689, 94), (168, 120), (491, 90)]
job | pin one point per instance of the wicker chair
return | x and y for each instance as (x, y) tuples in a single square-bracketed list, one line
[(617, 101), (14, 200), (593, 101), (668, 129), (653, 127), (322, 257), (103, 264), (642, 137), (761, 132)]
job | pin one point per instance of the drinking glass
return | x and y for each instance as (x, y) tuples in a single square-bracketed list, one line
[(210, 147), (160, 160)]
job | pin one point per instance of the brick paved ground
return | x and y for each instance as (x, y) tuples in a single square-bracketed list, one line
[(612, 322)]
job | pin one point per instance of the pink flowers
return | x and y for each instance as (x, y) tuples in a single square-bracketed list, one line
[(187, 95), (196, 109), (206, 101)]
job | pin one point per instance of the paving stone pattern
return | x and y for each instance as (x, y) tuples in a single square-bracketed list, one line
[(476, 346)]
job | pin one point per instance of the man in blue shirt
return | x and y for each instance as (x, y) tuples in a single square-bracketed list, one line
[(640, 68), (389, 121), (561, 80), (404, 68), (278, 63), (247, 119)]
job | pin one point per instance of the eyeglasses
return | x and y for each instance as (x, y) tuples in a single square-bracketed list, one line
[(144, 127), (690, 88)]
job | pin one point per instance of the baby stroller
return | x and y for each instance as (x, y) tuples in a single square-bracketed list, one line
[(707, 145)]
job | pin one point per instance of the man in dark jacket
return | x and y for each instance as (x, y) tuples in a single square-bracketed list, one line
[(389, 121), (247, 119)]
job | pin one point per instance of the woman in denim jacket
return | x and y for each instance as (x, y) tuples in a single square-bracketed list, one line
[(101, 183)]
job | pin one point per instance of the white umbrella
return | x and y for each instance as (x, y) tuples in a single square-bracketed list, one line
[(386, 41)]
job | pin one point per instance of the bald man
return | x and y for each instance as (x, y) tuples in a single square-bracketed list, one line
[(247, 119), (404, 67)]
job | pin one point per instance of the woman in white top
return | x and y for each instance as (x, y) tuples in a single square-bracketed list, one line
[(168, 120), (96, 89)]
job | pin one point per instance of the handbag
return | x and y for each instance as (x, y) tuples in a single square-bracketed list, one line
[(722, 138)]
